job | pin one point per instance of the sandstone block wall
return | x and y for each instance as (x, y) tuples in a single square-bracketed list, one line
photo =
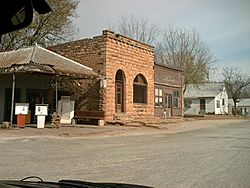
[(108, 53), (133, 58)]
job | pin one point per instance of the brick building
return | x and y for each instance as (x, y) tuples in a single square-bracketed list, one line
[(168, 91), (127, 70)]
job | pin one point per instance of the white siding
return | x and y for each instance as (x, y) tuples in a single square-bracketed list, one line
[(210, 105), (223, 108), (195, 107)]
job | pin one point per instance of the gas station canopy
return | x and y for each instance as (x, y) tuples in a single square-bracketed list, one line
[(40, 60)]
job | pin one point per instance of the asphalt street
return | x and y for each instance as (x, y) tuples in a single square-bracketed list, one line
[(216, 156)]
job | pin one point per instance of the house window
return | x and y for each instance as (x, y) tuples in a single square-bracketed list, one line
[(187, 103), (140, 87), (223, 102), (158, 97), (176, 99), (217, 104)]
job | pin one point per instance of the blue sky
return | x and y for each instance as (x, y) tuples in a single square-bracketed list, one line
[(223, 24)]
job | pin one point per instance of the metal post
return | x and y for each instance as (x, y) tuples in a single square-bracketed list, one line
[(56, 98), (12, 99)]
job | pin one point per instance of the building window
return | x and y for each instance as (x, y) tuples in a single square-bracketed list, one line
[(223, 102), (158, 97), (187, 103), (217, 104), (176, 99), (140, 87)]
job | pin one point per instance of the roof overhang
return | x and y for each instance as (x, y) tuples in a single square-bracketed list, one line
[(36, 59)]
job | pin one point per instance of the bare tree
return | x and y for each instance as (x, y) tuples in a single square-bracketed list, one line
[(177, 48), (183, 49), (138, 29), (237, 85), (48, 29)]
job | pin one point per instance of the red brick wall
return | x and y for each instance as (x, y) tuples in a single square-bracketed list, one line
[(169, 79)]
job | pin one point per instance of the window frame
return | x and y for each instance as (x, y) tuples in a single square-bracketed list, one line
[(140, 83), (159, 97), (223, 102), (218, 104), (176, 103), (188, 103)]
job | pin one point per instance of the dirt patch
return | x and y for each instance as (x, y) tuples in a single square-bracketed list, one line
[(154, 125), (67, 131)]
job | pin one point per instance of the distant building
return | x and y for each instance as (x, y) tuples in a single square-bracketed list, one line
[(210, 98), (244, 107)]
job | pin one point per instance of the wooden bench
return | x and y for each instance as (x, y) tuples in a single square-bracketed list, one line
[(89, 115)]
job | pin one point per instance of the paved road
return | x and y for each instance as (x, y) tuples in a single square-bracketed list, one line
[(216, 156)]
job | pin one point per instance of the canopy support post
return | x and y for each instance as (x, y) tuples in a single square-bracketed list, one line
[(12, 98), (56, 97)]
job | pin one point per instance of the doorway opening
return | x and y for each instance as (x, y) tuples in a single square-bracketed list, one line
[(168, 105), (120, 91), (7, 103), (202, 106)]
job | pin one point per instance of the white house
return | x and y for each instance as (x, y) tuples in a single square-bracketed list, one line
[(230, 106), (210, 98)]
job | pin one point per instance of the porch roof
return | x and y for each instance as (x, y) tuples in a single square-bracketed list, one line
[(40, 60)]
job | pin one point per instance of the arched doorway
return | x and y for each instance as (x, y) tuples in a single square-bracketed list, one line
[(120, 91)]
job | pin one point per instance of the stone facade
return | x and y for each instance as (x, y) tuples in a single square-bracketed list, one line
[(170, 82), (121, 62)]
